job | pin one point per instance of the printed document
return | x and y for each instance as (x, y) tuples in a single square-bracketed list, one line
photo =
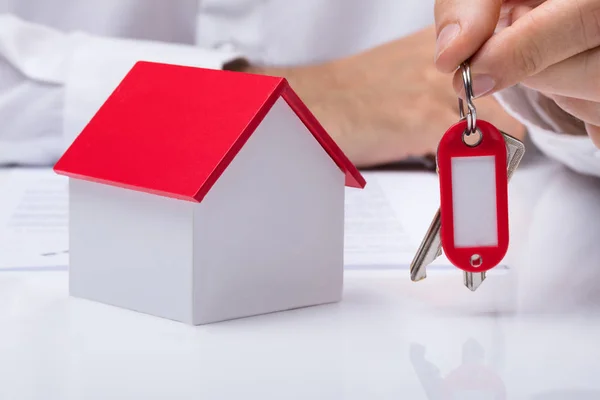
[(33, 220), (385, 222)]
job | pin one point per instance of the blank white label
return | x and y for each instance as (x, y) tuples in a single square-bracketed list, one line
[(474, 201)]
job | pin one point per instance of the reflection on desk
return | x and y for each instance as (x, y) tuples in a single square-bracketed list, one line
[(532, 334), (386, 340)]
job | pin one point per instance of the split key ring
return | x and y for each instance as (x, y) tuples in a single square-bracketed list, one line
[(471, 115)]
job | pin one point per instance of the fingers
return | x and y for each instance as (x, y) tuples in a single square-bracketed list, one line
[(594, 132), (577, 77), (586, 111), (462, 26), (548, 34)]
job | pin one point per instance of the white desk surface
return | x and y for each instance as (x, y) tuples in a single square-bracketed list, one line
[(388, 339), (531, 334)]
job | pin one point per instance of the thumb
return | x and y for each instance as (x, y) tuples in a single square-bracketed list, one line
[(462, 27)]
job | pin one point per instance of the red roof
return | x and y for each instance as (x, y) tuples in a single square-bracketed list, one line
[(172, 130)]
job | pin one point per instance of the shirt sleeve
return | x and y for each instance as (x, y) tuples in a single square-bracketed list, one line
[(52, 83), (557, 134)]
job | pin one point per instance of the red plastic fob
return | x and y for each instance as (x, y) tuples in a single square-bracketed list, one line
[(474, 196)]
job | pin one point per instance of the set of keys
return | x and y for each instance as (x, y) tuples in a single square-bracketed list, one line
[(475, 162)]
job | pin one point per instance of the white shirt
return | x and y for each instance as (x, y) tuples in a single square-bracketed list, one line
[(60, 59)]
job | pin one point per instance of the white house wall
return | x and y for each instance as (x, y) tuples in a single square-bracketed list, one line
[(269, 234), (131, 249)]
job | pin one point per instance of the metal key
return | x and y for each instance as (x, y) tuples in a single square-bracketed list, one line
[(431, 246), (429, 250)]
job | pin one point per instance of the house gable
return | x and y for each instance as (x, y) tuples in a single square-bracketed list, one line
[(285, 224)]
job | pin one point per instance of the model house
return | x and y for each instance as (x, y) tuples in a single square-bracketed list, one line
[(203, 195)]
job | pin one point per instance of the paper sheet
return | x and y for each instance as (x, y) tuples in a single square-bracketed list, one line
[(33, 220), (385, 222)]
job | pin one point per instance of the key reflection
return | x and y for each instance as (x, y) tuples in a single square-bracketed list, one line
[(472, 379), (475, 379)]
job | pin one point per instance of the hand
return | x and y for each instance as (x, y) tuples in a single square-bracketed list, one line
[(550, 46), (385, 104)]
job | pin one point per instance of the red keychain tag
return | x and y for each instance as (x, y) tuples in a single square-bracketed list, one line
[(472, 159), (474, 196)]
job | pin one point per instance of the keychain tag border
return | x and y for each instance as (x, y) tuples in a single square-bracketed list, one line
[(491, 144)]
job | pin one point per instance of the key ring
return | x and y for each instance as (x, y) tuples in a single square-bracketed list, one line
[(472, 112)]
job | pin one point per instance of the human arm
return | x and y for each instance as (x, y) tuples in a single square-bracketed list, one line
[(386, 104), (381, 106)]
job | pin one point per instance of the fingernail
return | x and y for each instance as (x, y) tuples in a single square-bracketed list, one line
[(482, 84), (447, 34)]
